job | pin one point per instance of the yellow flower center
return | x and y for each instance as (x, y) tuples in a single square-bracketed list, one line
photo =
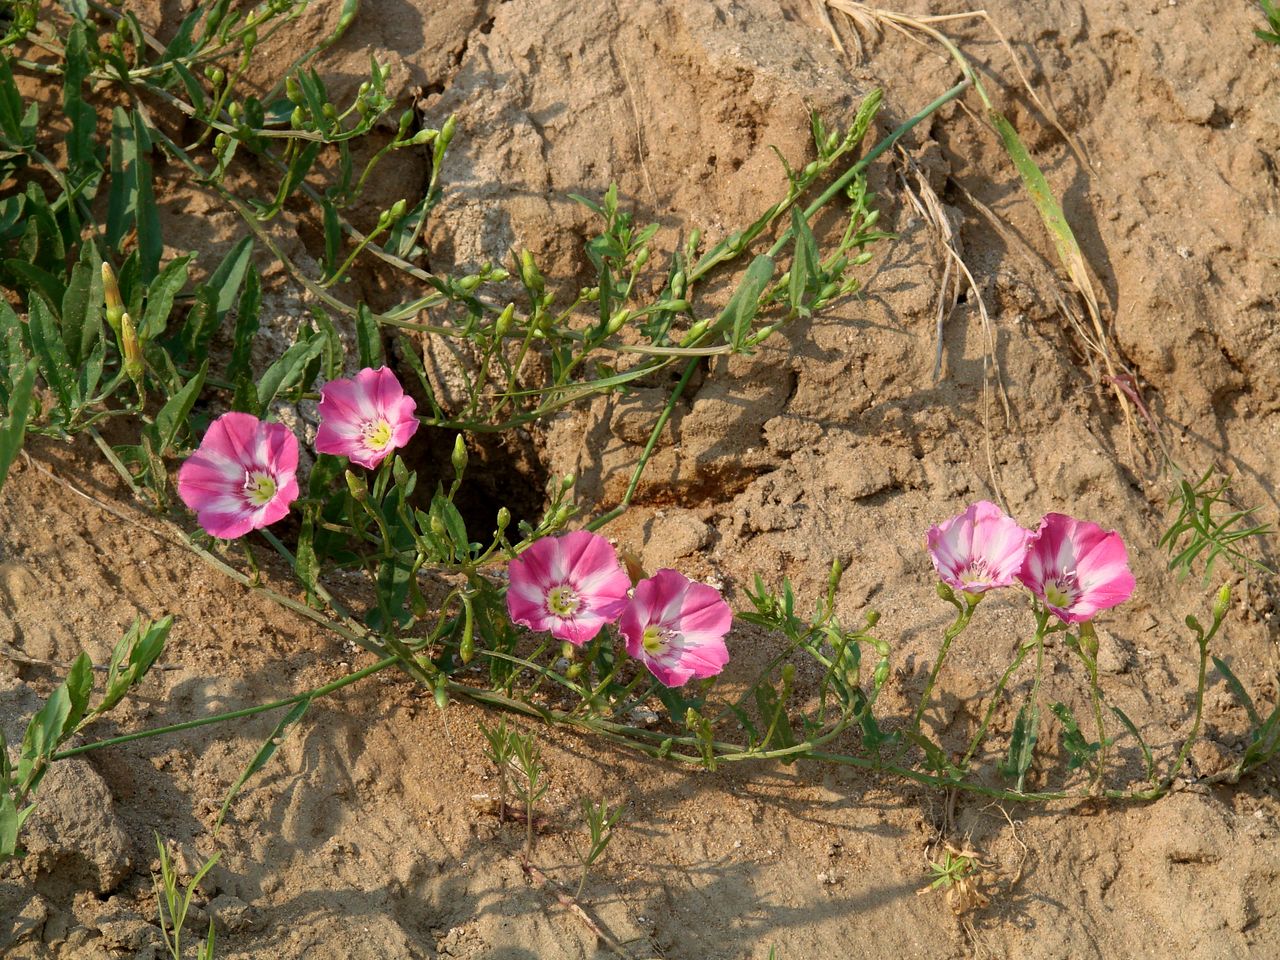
[(656, 640), (562, 601), (377, 434), (1058, 594), (259, 487)]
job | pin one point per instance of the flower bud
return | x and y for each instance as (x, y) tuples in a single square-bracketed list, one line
[(446, 133), (406, 121), (678, 284), (498, 274), (216, 76), (695, 332), (642, 257), (441, 694), (467, 284), (356, 486), (881, 674), (297, 118), (617, 321), (1089, 640), (293, 90), (437, 526), (503, 324), (459, 457), (111, 293), (529, 273), (504, 518), (575, 670), (424, 136), (131, 347), (1222, 603)]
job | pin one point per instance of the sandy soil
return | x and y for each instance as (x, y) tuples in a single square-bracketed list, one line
[(370, 833)]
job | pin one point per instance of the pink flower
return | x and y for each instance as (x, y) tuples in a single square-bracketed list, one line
[(1076, 568), (978, 550), (571, 585), (365, 417), (242, 476), (677, 627)]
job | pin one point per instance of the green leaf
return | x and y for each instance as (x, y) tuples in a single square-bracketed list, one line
[(11, 111), (805, 265), (773, 717), (80, 143), (368, 338), (333, 352), (150, 244), (13, 428), (82, 306), (1047, 206), (133, 655), (287, 371), (177, 409), (11, 821), (1080, 752), (247, 319), (45, 728), (745, 302), (264, 754), (1022, 744), (160, 296), (332, 237), (215, 297), (454, 525), (1238, 691), (40, 282), (195, 92), (79, 684), (122, 200), (46, 343), (1142, 744), (297, 171)]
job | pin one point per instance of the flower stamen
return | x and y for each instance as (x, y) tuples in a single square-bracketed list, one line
[(563, 601), (259, 487)]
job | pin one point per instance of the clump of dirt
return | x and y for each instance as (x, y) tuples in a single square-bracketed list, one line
[(369, 835)]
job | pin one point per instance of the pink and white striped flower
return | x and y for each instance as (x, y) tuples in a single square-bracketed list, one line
[(978, 550), (365, 417), (1076, 568), (676, 627), (570, 585), (242, 477)]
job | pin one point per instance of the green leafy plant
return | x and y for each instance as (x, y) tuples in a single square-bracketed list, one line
[(64, 715), (173, 902), (600, 822), (1201, 530), (1272, 13)]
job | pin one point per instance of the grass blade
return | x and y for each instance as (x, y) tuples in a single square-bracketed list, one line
[(264, 754)]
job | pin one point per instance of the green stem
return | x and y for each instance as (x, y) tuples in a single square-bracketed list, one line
[(849, 175), (995, 696), (328, 688), (1195, 727), (1087, 648), (617, 511), (957, 627)]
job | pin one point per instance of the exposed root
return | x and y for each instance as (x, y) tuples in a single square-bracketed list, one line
[(540, 879)]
